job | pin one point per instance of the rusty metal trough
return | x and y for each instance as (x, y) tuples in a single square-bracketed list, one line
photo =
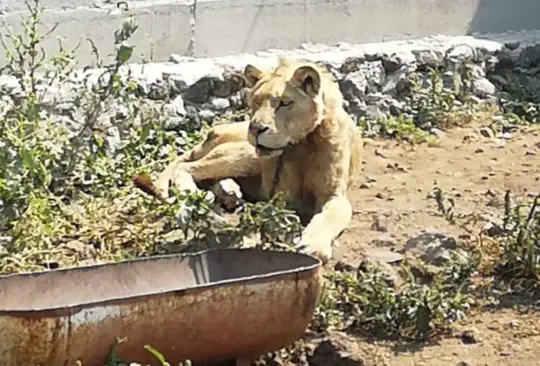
[(209, 306)]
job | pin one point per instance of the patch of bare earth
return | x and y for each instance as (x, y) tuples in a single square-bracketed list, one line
[(391, 205)]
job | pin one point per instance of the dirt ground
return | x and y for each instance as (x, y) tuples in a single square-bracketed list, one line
[(390, 204)]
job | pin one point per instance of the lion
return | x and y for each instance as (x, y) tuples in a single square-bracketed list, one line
[(299, 141)]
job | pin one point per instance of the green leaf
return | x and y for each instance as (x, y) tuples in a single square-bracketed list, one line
[(124, 53), (145, 132), (156, 354), (26, 158)]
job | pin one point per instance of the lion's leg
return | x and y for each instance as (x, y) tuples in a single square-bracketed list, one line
[(334, 217), (227, 160), (220, 134)]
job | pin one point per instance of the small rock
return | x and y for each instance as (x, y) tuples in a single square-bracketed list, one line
[(231, 83), (484, 88), (451, 80), (367, 79), (158, 91), (206, 115), (237, 101), (428, 58), (220, 104), (178, 85), (437, 132), (176, 58), (499, 143), (122, 112), (392, 62), (372, 57), (478, 72), (193, 116), (178, 107), (200, 92), (492, 229), (351, 64), (337, 350), (486, 132), (513, 324), (10, 85), (396, 83), (353, 85), (433, 247), (397, 108), (512, 46), (380, 154), (471, 336), (380, 223), (174, 123)]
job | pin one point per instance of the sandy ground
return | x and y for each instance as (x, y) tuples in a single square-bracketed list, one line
[(390, 204)]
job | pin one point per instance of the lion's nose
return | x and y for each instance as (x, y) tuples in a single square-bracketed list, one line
[(256, 128)]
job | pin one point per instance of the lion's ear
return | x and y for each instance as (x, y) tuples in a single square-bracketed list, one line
[(252, 74), (308, 79)]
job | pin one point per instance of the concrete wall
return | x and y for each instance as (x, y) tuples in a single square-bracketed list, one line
[(220, 27)]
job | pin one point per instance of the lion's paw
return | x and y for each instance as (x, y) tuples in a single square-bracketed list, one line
[(181, 180)]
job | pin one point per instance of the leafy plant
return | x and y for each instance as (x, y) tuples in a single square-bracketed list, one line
[(445, 205), (399, 128), (366, 301), (277, 225), (65, 164), (194, 214), (520, 242)]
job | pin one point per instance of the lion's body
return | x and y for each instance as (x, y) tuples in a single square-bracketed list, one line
[(317, 142)]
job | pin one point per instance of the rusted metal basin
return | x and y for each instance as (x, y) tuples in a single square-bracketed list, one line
[(208, 306)]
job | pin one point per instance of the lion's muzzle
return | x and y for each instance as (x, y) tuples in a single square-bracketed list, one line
[(256, 128)]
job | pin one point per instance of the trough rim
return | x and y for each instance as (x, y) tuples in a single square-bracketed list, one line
[(68, 310)]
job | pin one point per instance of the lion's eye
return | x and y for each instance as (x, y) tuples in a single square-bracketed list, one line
[(284, 103)]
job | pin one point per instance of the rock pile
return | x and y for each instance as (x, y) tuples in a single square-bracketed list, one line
[(376, 80)]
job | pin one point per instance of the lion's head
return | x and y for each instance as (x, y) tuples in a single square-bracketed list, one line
[(286, 104)]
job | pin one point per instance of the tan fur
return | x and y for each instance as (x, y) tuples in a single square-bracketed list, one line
[(299, 106)]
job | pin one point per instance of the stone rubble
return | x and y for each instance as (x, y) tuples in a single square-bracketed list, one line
[(374, 78)]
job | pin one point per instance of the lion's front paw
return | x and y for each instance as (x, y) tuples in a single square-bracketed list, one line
[(181, 180), (321, 249), (162, 186)]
